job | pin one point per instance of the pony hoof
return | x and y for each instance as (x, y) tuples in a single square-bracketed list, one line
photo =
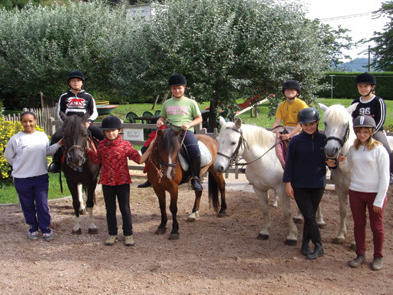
[(290, 242), (338, 241), (297, 220), (93, 231), (173, 236), (160, 231), (263, 237), (77, 232), (222, 214), (321, 225), (352, 246), (191, 219), (82, 212)]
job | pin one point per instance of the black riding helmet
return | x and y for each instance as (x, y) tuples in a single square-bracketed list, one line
[(308, 115), (177, 79), (364, 122), (75, 74), (366, 78), (110, 123), (291, 84)]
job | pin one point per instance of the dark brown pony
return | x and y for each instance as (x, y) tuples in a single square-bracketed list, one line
[(165, 174), (78, 169)]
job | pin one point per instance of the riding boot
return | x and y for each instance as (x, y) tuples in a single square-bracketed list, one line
[(306, 248), (195, 171), (145, 184), (55, 166), (318, 251)]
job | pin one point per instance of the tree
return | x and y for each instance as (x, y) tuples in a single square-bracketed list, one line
[(383, 50), (229, 49)]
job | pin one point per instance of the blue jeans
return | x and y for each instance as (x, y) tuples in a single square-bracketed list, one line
[(191, 144), (33, 198)]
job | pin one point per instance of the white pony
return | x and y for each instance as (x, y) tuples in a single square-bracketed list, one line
[(264, 173), (340, 136)]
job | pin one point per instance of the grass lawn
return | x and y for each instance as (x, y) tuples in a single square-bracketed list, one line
[(9, 195), (263, 118)]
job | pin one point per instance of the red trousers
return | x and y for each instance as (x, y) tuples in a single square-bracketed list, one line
[(359, 203)]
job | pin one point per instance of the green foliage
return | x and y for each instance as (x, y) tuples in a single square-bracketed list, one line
[(226, 49), (7, 130), (40, 45), (383, 50), (344, 84)]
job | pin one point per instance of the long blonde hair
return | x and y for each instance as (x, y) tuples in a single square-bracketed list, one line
[(371, 142)]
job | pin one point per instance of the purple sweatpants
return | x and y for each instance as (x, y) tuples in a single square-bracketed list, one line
[(359, 203), (33, 198)]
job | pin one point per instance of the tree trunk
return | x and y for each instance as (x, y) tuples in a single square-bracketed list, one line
[(212, 116)]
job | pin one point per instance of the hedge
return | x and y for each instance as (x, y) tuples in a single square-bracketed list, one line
[(344, 85)]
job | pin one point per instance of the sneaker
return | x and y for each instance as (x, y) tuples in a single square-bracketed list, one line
[(359, 260), (129, 240), (48, 236), (111, 240), (377, 263), (32, 235)]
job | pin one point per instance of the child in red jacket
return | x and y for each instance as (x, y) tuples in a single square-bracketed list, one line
[(112, 154)]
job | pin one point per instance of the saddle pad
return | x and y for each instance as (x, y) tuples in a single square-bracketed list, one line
[(206, 157)]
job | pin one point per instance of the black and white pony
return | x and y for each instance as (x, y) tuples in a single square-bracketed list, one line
[(78, 169)]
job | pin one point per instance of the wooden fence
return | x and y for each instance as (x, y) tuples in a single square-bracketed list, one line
[(46, 118)]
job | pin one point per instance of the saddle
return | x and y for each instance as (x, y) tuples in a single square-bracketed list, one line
[(206, 156), (281, 147)]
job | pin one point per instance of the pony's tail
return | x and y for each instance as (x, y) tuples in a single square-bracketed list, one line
[(213, 192)]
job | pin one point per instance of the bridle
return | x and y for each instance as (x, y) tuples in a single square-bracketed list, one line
[(341, 141), (235, 154), (67, 157), (242, 141)]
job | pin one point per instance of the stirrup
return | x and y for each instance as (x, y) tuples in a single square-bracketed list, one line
[(53, 168)]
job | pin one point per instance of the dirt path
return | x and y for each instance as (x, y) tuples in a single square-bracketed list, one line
[(212, 256)]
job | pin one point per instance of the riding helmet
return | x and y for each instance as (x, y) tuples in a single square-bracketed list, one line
[(364, 122), (177, 79), (291, 84), (110, 123), (366, 78), (308, 115), (75, 74)]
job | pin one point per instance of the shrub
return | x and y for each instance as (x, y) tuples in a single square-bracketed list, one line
[(7, 130)]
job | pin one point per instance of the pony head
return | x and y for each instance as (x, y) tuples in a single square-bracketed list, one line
[(167, 147), (75, 141), (230, 142), (338, 129)]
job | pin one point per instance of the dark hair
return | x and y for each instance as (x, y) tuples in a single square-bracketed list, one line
[(28, 113)]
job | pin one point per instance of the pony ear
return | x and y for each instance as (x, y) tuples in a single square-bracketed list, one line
[(352, 107), (63, 116), (323, 107), (85, 117), (177, 132), (238, 122), (222, 122)]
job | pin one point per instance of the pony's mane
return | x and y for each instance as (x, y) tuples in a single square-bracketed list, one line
[(169, 142), (255, 134), (73, 126), (338, 114)]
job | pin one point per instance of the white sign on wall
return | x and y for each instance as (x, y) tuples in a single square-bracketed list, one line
[(133, 134)]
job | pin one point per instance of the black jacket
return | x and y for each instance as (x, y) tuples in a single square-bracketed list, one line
[(305, 163), (79, 104), (375, 108)]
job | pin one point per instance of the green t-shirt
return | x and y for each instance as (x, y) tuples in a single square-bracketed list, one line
[(180, 111)]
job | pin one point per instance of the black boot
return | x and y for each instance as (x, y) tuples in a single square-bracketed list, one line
[(306, 248), (55, 166), (318, 251), (195, 171), (145, 184)]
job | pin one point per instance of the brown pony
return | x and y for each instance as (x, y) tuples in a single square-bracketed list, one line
[(165, 174)]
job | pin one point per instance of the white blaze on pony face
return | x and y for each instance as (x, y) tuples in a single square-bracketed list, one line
[(228, 140), (169, 170)]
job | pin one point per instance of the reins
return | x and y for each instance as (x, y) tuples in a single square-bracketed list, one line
[(242, 141)]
